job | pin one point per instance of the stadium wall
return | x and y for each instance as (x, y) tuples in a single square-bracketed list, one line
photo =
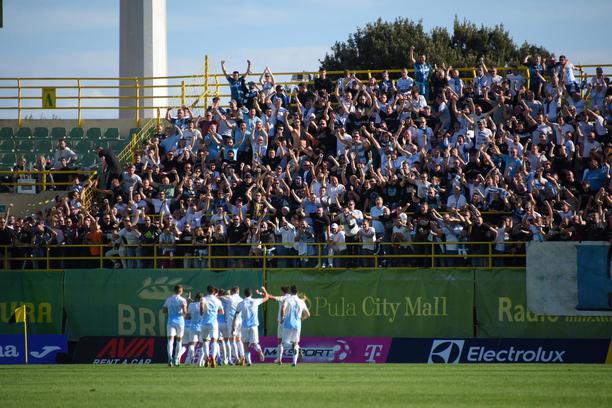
[(428, 303)]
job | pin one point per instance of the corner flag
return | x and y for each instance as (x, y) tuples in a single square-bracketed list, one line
[(20, 316)]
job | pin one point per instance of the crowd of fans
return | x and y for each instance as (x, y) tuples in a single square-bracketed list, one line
[(321, 174)]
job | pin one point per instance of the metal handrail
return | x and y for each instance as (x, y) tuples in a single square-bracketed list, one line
[(261, 259)]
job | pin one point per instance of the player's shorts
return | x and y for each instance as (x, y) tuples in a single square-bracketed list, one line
[(194, 335), (175, 329), (250, 335), (237, 332), (226, 330), (187, 333), (209, 332), (291, 335)]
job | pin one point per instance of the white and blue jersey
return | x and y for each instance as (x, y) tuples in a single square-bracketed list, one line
[(248, 308), (294, 307), (175, 305), (212, 306), (230, 311), (196, 317), (222, 318)]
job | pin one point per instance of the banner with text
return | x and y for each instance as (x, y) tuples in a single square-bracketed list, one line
[(416, 303), (41, 292), (42, 348), (129, 302), (501, 311)]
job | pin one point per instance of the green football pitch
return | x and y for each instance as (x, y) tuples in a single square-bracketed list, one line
[(316, 385)]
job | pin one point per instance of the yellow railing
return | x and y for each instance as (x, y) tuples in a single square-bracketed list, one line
[(95, 94), (265, 256), (22, 177)]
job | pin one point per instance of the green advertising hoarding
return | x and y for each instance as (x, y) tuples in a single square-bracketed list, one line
[(501, 311), (41, 292), (129, 302), (389, 302)]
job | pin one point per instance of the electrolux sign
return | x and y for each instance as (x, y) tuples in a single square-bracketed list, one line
[(42, 348), (453, 351)]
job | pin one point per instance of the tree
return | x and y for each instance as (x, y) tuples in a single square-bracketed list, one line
[(383, 44)]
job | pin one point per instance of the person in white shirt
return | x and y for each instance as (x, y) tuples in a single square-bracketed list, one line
[(294, 311), (248, 310), (175, 307), (483, 135), (63, 152), (287, 233), (279, 328), (210, 327), (456, 200), (337, 245), (367, 236), (231, 335), (195, 311)]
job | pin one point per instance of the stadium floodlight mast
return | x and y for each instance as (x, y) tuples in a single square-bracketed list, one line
[(142, 53)]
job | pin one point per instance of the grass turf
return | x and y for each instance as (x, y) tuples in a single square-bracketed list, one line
[(320, 385)]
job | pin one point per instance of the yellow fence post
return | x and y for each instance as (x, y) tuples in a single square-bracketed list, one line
[(154, 256), (137, 86), (78, 103), (158, 116), (182, 92), (18, 102)]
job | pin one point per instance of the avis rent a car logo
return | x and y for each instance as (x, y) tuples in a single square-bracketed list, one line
[(160, 288), (445, 351)]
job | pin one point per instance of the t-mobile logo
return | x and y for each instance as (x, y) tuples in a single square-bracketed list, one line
[(373, 351)]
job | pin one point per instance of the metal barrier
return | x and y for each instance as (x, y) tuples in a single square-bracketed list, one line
[(86, 94), (225, 256)]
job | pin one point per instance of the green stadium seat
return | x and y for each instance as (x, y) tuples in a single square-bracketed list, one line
[(118, 145), (41, 132), (6, 133), (94, 133), (133, 131), (89, 160), (23, 133), (82, 147), (76, 133), (111, 134), (24, 145), (43, 146), (30, 157), (58, 133), (7, 160), (6, 145)]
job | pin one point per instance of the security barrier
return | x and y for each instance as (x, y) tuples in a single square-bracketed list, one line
[(78, 96), (225, 256)]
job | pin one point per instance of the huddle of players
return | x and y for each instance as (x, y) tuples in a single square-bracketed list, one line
[(227, 320)]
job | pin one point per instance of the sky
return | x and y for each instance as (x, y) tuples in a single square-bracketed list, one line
[(81, 37)]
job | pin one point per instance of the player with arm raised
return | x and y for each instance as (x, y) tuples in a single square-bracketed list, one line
[(210, 327), (175, 307), (195, 311), (279, 330), (248, 310), (294, 311)]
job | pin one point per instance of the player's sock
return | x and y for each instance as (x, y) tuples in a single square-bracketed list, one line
[(215, 350), (177, 350), (170, 349), (206, 349), (224, 349), (296, 353), (234, 351), (281, 350), (240, 349), (248, 357), (190, 354), (259, 351)]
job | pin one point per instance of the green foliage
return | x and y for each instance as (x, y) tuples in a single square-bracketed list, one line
[(383, 44)]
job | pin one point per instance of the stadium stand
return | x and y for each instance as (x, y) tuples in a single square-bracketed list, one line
[(431, 170)]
